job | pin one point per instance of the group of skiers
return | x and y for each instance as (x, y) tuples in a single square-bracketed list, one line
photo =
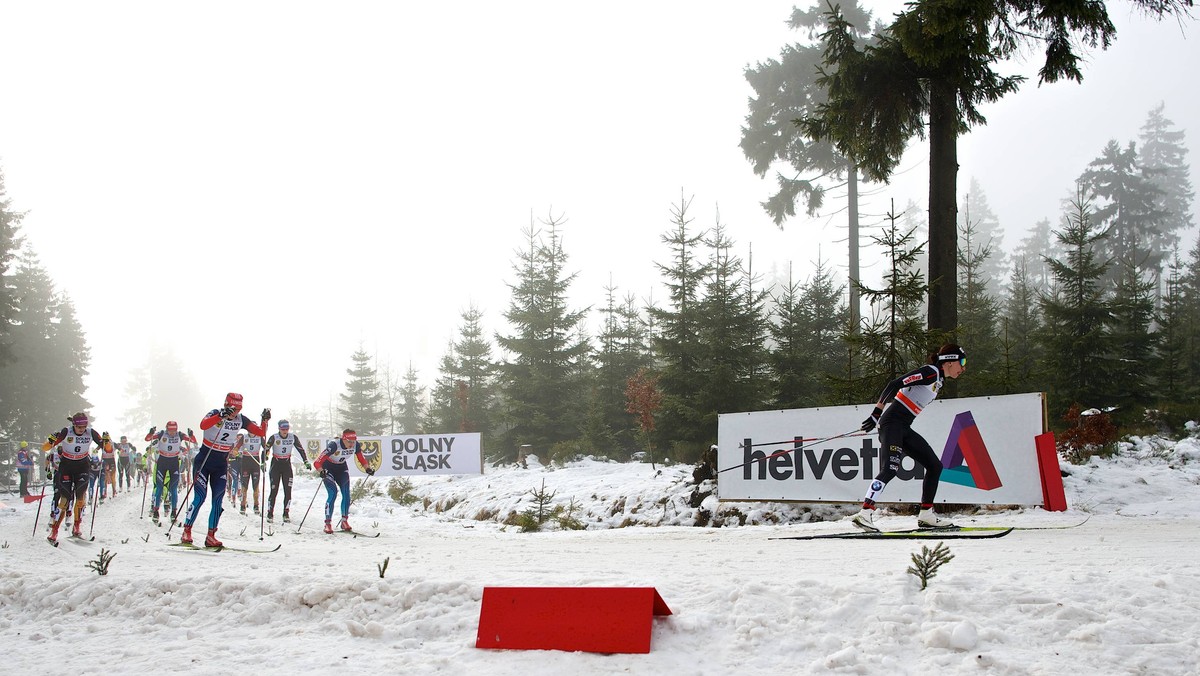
[(223, 459)]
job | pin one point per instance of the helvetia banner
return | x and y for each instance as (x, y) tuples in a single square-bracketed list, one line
[(985, 444), (413, 454)]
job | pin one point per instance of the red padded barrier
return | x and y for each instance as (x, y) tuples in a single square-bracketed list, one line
[(587, 619), (1054, 498)]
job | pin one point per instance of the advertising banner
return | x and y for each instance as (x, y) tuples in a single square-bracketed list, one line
[(413, 454), (986, 445)]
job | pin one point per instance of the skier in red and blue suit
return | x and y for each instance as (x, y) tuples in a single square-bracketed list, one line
[(332, 465), (220, 429)]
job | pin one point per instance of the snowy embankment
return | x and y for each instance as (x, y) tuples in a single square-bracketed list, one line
[(1116, 595)]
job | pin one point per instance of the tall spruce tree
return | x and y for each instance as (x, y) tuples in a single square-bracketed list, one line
[(1078, 319), (927, 74), (10, 243), (1035, 249), (544, 375), (808, 322), (786, 90), (361, 405), (677, 340), (1129, 212), (622, 350), (410, 403), (1163, 158), (986, 234), (732, 327), (1135, 341), (896, 339), (978, 309), (1020, 353), (43, 383)]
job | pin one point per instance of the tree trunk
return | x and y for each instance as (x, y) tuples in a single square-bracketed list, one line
[(943, 211), (852, 197)]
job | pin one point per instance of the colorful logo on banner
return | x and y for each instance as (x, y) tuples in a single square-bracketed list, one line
[(965, 460)]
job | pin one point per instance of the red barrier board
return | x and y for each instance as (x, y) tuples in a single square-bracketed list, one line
[(587, 619), (1054, 498)]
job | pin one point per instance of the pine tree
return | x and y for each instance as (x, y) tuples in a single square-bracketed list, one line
[(732, 327), (809, 320), (1039, 246), (410, 403), (10, 243), (476, 370), (1134, 341), (1075, 336), (896, 338), (1020, 352), (986, 234), (362, 407), (677, 339), (43, 382), (978, 309), (623, 349), (1163, 158), (1130, 212), (543, 379)]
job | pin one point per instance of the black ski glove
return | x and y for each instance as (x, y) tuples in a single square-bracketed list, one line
[(152, 431), (225, 410), (49, 475), (370, 472), (190, 433), (870, 423), (322, 473), (266, 414)]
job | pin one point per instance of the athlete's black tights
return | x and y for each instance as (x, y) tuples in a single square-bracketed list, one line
[(899, 440)]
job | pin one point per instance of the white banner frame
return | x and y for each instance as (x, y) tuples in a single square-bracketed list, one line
[(842, 469)]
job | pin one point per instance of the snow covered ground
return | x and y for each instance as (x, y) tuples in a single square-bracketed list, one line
[(1118, 595)]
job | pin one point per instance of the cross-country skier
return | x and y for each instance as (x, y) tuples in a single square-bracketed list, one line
[(24, 467), (251, 469), (168, 443), (108, 453), (280, 446), (220, 428), (75, 444), (124, 462), (234, 472), (335, 474), (908, 395), (52, 460)]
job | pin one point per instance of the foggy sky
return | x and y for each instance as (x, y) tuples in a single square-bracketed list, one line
[(262, 187)]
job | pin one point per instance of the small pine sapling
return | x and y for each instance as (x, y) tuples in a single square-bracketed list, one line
[(100, 565), (926, 564)]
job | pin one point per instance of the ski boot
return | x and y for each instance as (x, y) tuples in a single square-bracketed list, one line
[(174, 515), (286, 518), (865, 519), (257, 511), (211, 540), (243, 508), (927, 519), (77, 530), (186, 537), (329, 527), (270, 517), (154, 513), (53, 537), (345, 524)]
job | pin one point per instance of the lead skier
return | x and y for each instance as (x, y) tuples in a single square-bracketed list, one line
[(220, 428), (909, 395)]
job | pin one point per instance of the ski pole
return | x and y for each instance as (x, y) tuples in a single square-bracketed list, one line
[(199, 467), (145, 488), (39, 511), (92, 528), (789, 450), (310, 504)]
